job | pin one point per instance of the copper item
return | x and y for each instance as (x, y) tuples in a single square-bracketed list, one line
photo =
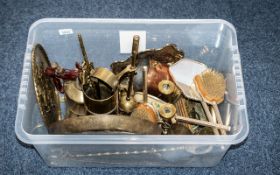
[(156, 73), (46, 94)]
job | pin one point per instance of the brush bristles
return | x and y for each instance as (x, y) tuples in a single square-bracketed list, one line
[(211, 85), (145, 112)]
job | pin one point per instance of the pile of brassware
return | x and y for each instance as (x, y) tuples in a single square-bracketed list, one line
[(156, 92)]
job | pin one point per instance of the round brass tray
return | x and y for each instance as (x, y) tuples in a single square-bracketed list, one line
[(46, 94)]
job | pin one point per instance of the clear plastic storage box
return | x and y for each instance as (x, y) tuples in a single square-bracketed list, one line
[(211, 41)]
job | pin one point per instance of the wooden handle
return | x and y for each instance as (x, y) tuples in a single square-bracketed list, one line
[(219, 118), (208, 114), (203, 123)]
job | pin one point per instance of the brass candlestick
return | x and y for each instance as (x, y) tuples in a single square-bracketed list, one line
[(127, 104)]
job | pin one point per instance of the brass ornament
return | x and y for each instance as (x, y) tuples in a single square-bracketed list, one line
[(167, 112), (169, 91), (74, 99), (46, 94), (73, 91), (104, 105), (127, 102), (108, 77)]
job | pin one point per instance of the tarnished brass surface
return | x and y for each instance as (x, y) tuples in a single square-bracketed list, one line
[(126, 105), (166, 87), (104, 123), (75, 110), (105, 105), (169, 91), (87, 66), (127, 102), (134, 53), (167, 111), (46, 95), (108, 77), (73, 92)]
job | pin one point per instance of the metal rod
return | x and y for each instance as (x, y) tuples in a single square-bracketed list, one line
[(145, 85), (83, 48), (98, 91), (135, 46)]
